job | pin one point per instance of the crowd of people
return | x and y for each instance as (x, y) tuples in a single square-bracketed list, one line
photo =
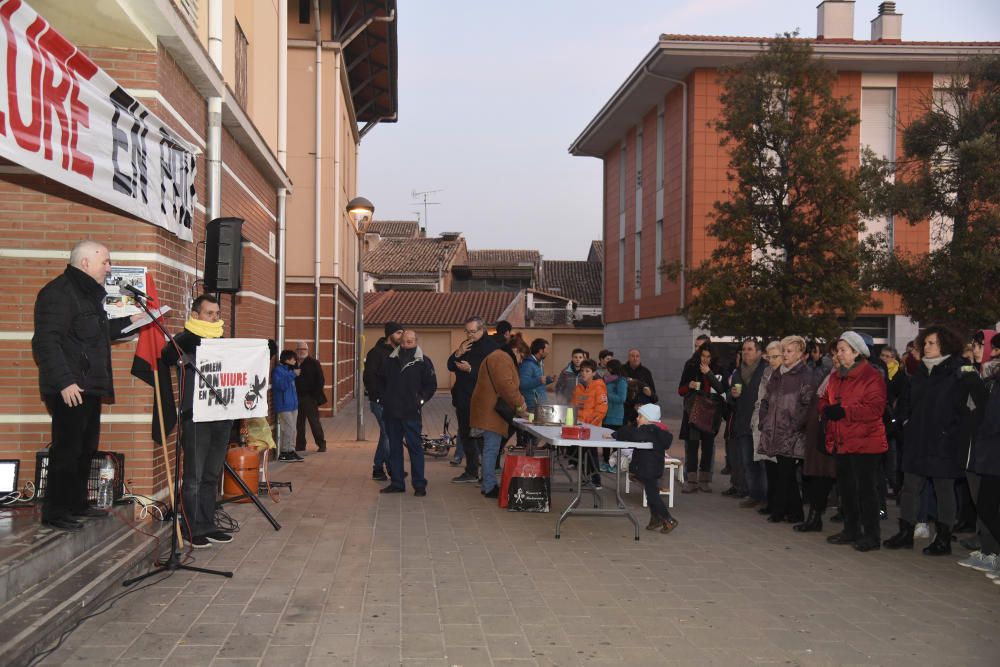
[(805, 425), (802, 422)]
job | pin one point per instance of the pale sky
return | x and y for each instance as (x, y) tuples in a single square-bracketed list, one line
[(491, 94)]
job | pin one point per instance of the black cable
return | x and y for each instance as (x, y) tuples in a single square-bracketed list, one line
[(226, 523), (110, 602)]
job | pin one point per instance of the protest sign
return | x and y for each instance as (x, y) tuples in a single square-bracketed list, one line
[(237, 368)]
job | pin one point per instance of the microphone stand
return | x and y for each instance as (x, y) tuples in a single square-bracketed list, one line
[(173, 561)]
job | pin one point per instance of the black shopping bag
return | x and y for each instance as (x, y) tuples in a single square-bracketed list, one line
[(528, 494)]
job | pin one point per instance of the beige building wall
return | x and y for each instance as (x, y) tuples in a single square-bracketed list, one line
[(338, 243), (259, 21)]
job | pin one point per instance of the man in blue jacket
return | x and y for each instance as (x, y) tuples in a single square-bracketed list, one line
[(532, 374), (406, 382)]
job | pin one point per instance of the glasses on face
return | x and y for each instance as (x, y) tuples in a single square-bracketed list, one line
[(775, 356), (472, 331), (302, 349)]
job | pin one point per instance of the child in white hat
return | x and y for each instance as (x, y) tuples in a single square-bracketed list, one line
[(647, 464)]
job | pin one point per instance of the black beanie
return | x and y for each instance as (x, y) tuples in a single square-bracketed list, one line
[(392, 327)]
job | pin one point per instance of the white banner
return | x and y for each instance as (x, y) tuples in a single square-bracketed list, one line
[(238, 369), (63, 117)]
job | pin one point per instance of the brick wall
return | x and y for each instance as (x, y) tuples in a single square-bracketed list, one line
[(707, 182), (40, 220)]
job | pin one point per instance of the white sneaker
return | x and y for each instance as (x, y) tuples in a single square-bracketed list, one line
[(922, 531), (991, 563), (995, 576), (974, 560)]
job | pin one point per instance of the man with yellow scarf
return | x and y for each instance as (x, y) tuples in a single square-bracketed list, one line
[(204, 444)]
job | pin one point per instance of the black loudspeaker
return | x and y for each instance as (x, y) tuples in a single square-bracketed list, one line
[(224, 255)]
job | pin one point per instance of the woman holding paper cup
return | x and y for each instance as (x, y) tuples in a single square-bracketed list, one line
[(700, 381)]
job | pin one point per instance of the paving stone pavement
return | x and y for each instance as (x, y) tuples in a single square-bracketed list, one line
[(356, 578)]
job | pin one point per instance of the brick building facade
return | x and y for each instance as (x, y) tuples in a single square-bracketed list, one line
[(664, 168)]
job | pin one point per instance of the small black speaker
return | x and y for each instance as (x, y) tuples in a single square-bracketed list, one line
[(224, 255)]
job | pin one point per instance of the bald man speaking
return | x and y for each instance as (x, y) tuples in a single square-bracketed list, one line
[(72, 349)]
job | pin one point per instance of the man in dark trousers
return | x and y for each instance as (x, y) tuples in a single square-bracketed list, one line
[(72, 348), (748, 477), (204, 443), (309, 385), (406, 382), (641, 388), (464, 363), (373, 365)]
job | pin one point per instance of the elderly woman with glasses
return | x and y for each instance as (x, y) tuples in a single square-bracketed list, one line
[(772, 355), (784, 413)]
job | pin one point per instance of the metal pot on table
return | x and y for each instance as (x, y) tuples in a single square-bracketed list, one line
[(554, 415)]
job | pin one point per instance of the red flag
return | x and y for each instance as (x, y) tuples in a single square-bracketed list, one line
[(147, 358)]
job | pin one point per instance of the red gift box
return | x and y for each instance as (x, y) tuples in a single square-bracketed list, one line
[(576, 432)]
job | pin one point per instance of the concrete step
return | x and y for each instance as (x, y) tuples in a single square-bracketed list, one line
[(49, 579)]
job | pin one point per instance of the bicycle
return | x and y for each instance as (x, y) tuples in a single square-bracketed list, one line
[(440, 446)]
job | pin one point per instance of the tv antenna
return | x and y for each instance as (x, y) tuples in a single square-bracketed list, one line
[(423, 196)]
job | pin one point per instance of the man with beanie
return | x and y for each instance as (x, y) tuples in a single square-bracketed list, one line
[(373, 365)]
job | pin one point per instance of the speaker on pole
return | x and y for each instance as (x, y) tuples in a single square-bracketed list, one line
[(224, 255)]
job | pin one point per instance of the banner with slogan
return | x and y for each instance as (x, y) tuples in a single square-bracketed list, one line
[(64, 117), (238, 369)]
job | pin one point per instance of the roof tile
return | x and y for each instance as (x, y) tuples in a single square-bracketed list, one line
[(580, 281), (407, 256), (404, 229), (503, 257), (435, 308)]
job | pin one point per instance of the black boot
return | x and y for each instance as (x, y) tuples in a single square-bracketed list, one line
[(903, 539), (813, 524), (941, 546)]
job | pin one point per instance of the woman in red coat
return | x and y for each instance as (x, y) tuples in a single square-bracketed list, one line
[(852, 407)]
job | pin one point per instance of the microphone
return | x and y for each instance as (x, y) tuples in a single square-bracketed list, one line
[(135, 291)]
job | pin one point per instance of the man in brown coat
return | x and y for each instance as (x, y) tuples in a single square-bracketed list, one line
[(498, 378)]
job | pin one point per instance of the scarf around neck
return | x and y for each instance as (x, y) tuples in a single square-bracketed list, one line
[(931, 363), (204, 329)]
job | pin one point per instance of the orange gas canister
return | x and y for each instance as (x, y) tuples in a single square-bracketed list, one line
[(246, 462)]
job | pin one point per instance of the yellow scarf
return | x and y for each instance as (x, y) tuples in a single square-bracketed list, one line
[(204, 329), (893, 366)]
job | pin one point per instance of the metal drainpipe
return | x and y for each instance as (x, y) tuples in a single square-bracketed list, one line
[(336, 344), (318, 181), (214, 147), (338, 204), (282, 160), (684, 155)]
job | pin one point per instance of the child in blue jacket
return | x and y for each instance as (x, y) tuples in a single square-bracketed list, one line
[(286, 404)]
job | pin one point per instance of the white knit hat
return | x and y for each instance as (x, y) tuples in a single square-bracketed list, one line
[(856, 342), (650, 411)]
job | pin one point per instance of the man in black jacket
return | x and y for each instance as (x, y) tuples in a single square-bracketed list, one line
[(309, 387), (373, 365), (747, 476), (204, 443), (641, 388), (72, 348), (464, 363), (406, 382)]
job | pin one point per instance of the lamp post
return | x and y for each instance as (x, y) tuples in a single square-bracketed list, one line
[(360, 211)]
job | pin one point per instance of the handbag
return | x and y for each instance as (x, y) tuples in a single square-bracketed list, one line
[(703, 413), (501, 407)]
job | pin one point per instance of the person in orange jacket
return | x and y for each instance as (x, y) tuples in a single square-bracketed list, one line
[(590, 399)]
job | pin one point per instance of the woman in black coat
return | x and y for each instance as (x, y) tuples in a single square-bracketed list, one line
[(700, 381), (937, 428)]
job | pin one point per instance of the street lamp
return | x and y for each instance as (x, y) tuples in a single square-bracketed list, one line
[(360, 211)]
